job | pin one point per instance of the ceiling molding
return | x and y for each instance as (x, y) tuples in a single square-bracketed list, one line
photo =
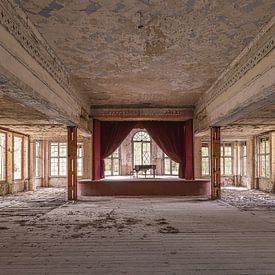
[(17, 23), (165, 114), (259, 48)]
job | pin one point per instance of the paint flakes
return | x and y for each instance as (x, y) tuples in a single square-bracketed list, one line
[(53, 6), (91, 8)]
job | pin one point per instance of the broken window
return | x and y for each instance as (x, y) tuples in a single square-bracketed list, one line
[(170, 167), (205, 159), (58, 159), (112, 164), (17, 158), (226, 159), (264, 157), (2, 156)]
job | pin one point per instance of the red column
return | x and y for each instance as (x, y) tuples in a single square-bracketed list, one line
[(96, 150), (72, 162), (189, 148), (215, 163)]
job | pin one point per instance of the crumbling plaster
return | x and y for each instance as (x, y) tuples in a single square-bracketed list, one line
[(172, 60)]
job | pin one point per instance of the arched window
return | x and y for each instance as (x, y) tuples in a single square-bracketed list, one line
[(141, 148)]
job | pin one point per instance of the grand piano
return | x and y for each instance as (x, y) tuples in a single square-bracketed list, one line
[(145, 168)]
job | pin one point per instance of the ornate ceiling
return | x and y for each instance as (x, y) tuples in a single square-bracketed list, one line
[(147, 53)]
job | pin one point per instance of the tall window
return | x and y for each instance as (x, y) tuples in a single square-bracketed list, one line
[(79, 159), (58, 159), (2, 156), (226, 159), (264, 157), (38, 159), (170, 167), (17, 158), (243, 159), (112, 164), (141, 148), (205, 167)]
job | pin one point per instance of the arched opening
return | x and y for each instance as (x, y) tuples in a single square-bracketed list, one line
[(141, 149)]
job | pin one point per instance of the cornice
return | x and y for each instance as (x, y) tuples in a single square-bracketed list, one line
[(177, 114), (259, 48), (15, 21)]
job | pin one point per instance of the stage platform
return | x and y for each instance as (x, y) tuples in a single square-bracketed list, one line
[(129, 186)]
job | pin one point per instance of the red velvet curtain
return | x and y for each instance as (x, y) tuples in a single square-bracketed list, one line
[(112, 135), (96, 150), (188, 148), (169, 136), (174, 138)]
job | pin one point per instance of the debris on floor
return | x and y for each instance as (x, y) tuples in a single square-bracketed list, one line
[(248, 199)]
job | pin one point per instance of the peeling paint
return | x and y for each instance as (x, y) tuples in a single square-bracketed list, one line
[(46, 12), (192, 40), (93, 7)]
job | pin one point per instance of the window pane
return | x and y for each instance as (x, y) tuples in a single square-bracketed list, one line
[(228, 150), (2, 156), (137, 153), (146, 153), (205, 166), (227, 166), (244, 167), (167, 167), (262, 166), (267, 166), (267, 147), (62, 149), (262, 146), (54, 166), (62, 167), (222, 163), (116, 153), (175, 167), (108, 167), (244, 150), (115, 167), (141, 136), (79, 150), (205, 150), (54, 149), (79, 167), (17, 158)]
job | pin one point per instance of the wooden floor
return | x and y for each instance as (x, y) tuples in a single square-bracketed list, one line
[(43, 234)]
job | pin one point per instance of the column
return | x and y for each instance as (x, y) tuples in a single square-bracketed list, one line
[(72, 162), (215, 163)]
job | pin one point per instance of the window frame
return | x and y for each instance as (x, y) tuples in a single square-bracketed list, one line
[(165, 157), (22, 157), (5, 158), (206, 157), (243, 159), (265, 154), (40, 158), (223, 157), (112, 159), (58, 157), (80, 145), (142, 142)]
